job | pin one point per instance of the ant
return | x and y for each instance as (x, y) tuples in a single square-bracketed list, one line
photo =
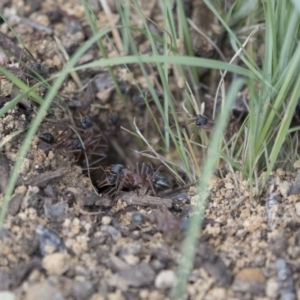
[(67, 143), (101, 140), (64, 142), (95, 145), (142, 177)]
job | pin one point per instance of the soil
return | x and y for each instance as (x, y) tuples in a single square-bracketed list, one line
[(68, 235)]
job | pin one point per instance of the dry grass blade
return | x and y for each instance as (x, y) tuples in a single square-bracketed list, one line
[(223, 74), (115, 32)]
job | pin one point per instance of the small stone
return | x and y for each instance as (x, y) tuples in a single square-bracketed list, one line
[(272, 288), (82, 290), (57, 263), (165, 279), (22, 189), (112, 231), (49, 240), (3, 59), (284, 188), (132, 260), (97, 296), (5, 281), (7, 296), (15, 204), (43, 291), (56, 212), (106, 220), (296, 164), (136, 276), (250, 280), (25, 168)]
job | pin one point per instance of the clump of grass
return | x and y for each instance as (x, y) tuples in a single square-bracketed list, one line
[(272, 103), (160, 60)]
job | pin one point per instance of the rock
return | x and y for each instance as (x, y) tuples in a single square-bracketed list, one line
[(56, 212), (106, 220), (131, 259), (112, 231), (5, 280), (43, 291), (4, 172), (165, 279), (24, 271), (139, 275), (250, 280), (57, 263), (42, 180), (97, 296), (272, 288), (7, 296), (49, 240), (213, 264), (285, 280), (82, 290), (15, 204), (295, 188)]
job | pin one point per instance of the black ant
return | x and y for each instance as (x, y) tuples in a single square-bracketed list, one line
[(64, 142), (88, 133), (68, 143), (143, 177)]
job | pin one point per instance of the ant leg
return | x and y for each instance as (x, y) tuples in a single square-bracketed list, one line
[(153, 189), (85, 167), (137, 170)]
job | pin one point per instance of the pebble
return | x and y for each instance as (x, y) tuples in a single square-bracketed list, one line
[(112, 231), (57, 263), (136, 276), (43, 291), (132, 260), (5, 280), (106, 220), (7, 296), (82, 290), (56, 212), (3, 59), (15, 204), (165, 279), (272, 288), (49, 240), (250, 280)]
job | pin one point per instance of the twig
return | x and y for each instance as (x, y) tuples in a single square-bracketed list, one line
[(85, 156), (155, 153), (131, 198), (13, 49), (115, 32), (223, 74), (66, 57), (36, 25)]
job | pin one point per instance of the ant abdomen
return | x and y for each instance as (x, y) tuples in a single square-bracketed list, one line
[(47, 137)]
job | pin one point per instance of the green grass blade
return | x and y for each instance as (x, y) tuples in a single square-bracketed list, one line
[(188, 248)]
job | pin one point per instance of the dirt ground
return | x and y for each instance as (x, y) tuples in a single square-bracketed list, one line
[(65, 237)]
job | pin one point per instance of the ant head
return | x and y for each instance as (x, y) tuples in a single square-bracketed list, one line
[(114, 119), (86, 122), (201, 120), (116, 169)]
